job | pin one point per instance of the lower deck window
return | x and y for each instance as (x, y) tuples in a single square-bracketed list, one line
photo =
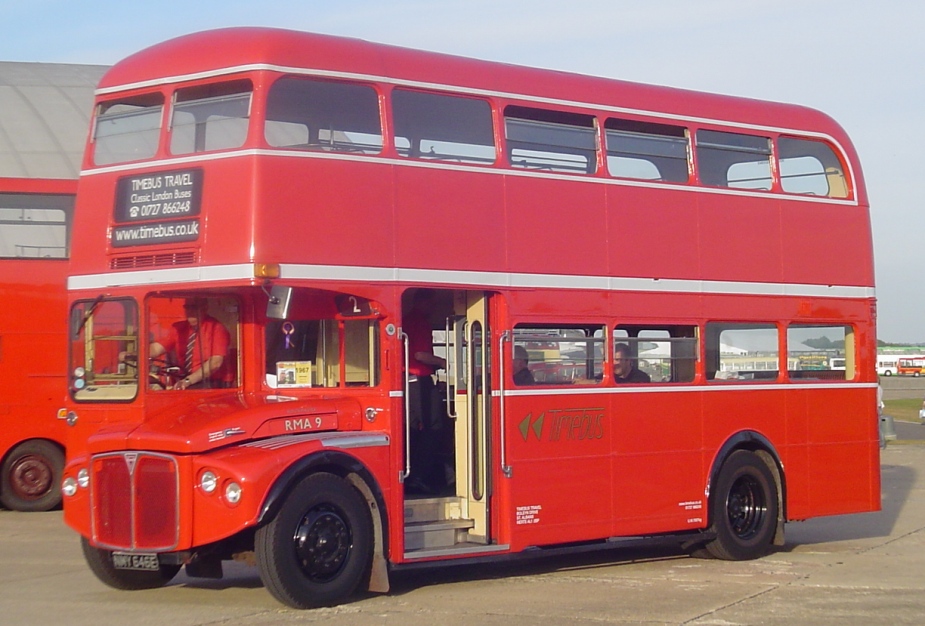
[(742, 352), (666, 354), (816, 352), (558, 355)]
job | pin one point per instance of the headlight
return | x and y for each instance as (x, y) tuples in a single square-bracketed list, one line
[(208, 481), (83, 478), (69, 486), (232, 493)]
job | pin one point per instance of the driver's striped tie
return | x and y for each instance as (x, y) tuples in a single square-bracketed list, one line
[(190, 344)]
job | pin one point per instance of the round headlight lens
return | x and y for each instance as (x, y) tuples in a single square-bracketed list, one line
[(83, 478), (69, 486), (208, 481), (233, 493)]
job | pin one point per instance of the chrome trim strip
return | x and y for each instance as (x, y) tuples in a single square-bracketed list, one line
[(491, 280)]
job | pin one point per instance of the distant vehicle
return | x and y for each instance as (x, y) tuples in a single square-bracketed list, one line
[(887, 365), (911, 366)]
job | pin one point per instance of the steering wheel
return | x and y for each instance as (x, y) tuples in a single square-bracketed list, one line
[(163, 375)]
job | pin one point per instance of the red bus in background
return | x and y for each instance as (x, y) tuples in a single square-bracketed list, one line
[(613, 282), (35, 222), (911, 366)]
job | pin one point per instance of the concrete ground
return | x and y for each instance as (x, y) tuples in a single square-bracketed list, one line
[(854, 569)]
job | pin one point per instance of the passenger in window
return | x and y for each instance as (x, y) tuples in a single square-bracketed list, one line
[(522, 373), (199, 345), (624, 366)]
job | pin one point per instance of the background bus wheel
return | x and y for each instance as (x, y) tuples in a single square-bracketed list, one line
[(318, 548), (744, 509), (31, 476), (100, 562)]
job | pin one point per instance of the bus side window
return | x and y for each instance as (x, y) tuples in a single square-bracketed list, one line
[(647, 151), (311, 114), (820, 352), (442, 127), (742, 352), (667, 354), (734, 160), (550, 141), (810, 167)]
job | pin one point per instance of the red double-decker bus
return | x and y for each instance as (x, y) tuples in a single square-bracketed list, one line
[(342, 307), (45, 113), (35, 222)]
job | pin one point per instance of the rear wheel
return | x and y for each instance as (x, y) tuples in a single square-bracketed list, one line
[(100, 562), (744, 509), (31, 477), (318, 548)]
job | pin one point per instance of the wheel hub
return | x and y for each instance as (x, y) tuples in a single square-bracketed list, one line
[(30, 477), (745, 507), (322, 543)]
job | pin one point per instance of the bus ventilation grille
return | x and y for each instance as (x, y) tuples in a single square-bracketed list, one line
[(167, 259), (135, 499)]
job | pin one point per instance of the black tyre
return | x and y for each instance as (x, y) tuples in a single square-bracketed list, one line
[(100, 562), (31, 477), (744, 509), (318, 548)]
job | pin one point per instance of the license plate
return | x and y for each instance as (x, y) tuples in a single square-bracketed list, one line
[(143, 562)]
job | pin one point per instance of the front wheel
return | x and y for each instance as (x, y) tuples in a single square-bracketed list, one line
[(744, 508), (31, 477), (100, 562), (319, 547)]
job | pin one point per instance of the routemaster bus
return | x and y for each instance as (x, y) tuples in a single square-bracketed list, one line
[(339, 308), (44, 116), (35, 221)]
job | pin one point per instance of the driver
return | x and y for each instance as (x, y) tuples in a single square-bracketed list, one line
[(199, 344)]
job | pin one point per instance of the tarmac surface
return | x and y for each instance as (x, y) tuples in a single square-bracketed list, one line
[(854, 569)]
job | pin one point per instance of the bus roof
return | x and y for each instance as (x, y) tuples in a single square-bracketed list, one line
[(221, 50)]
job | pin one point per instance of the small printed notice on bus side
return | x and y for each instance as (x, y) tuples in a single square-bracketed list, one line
[(294, 374)]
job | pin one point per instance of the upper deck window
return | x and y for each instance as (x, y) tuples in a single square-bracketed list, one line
[(734, 160), (127, 129), (210, 117), (647, 151), (437, 126), (810, 167), (551, 141), (35, 226), (312, 114)]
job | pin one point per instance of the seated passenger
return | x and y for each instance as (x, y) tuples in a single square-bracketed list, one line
[(624, 366), (522, 373)]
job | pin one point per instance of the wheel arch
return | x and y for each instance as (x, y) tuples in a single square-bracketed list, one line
[(757, 443), (358, 475)]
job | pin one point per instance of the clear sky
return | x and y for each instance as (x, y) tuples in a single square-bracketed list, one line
[(859, 61)]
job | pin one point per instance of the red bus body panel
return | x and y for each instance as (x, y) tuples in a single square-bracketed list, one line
[(624, 462)]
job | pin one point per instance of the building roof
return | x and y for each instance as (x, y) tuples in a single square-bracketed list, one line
[(44, 117)]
